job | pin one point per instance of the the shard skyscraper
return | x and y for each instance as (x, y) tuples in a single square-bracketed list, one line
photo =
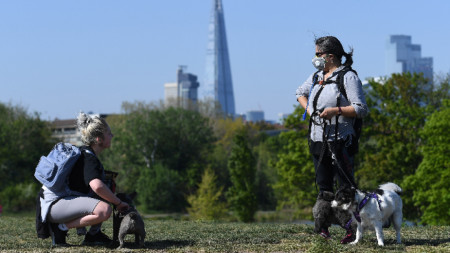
[(218, 81)]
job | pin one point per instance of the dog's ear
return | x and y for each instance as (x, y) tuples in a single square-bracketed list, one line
[(133, 195), (121, 196)]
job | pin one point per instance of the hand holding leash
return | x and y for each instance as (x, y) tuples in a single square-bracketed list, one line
[(329, 113), (122, 206)]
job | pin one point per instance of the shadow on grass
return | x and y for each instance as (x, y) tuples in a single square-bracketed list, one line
[(164, 244), (155, 245), (432, 242)]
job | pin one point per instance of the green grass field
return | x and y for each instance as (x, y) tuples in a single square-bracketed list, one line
[(17, 234)]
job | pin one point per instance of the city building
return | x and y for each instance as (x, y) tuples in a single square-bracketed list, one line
[(182, 93), (67, 131), (218, 82), (403, 56), (187, 86), (171, 94), (254, 116), (282, 117)]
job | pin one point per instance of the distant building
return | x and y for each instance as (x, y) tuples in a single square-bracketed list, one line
[(188, 89), (282, 116), (170, 94), (403, 56), (67, 131), (218, 82), (254, 116), (183, 93)]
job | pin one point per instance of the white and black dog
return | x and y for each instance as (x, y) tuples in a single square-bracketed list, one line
[(376, 210)]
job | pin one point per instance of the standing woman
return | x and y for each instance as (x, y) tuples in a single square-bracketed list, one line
[(332, 111), (89, 205)]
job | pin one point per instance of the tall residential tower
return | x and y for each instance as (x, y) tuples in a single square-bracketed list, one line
[(218, 83), (403, 56)]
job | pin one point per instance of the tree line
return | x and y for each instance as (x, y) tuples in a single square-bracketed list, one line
[(210, 166)]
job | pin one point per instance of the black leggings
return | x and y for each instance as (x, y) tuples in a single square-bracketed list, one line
[(328, 169)]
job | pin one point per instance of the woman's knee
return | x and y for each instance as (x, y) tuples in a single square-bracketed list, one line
[(103, 210)]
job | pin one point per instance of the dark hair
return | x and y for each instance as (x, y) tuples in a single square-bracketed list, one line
[(331, 45)]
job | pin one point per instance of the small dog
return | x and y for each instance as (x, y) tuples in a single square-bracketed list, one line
[(129, 222), (324, 216), (372, 210)]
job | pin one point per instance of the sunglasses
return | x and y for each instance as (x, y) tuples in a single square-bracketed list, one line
[(320, 53)]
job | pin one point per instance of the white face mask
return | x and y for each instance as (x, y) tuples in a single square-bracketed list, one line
[(319, 62)]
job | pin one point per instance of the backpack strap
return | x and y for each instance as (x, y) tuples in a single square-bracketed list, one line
[(340, 83), (340, 80)]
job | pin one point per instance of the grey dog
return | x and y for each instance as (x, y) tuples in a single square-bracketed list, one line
[(129, 222), (325, 215)]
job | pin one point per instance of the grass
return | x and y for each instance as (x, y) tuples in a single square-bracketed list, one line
[(17, 234)]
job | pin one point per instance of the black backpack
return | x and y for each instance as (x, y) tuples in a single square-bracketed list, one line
[(357, 124)]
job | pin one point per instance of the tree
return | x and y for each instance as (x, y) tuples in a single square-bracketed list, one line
[(177, 139), (241, 165), (397, 112), (206, 202), (390, 143), (224, 130), (431, 182), (296, 176), (266, 174), (159, 189), (24, 139)]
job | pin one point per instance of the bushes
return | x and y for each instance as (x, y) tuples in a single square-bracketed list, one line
[(19, 197)]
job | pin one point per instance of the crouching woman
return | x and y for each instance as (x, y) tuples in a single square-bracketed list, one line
[(89, 201)]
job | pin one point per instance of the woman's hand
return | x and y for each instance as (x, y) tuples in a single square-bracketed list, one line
[(122, 206), (329, 112)]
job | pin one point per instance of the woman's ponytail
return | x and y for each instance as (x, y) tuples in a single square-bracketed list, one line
[(90, 128), (348, 58)]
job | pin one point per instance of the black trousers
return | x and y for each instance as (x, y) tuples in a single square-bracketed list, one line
[(328, 169)]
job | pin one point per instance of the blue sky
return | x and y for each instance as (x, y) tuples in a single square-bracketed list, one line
[(60, 57)]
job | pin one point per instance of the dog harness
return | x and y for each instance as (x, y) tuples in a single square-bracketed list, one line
[(364, 202)]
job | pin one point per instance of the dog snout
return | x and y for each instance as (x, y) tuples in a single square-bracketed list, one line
[(334, 203)]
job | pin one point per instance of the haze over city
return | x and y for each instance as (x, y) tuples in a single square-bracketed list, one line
[(60, 57)]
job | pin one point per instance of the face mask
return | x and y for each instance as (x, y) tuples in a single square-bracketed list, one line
[(319, 62)]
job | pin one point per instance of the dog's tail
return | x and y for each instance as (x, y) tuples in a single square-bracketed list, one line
[(391, 187)]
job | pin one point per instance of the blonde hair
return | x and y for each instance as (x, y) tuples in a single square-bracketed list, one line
[(91, 127)]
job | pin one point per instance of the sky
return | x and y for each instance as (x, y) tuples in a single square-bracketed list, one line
[(58, 58)]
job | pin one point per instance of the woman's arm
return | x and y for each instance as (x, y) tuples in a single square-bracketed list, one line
[(303, 101), (346, 111), (355, 94), (104, 192)]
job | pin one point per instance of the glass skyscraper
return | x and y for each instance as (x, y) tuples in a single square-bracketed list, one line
[(403, 56), (187, 89), (182, 93), (218, 83)]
